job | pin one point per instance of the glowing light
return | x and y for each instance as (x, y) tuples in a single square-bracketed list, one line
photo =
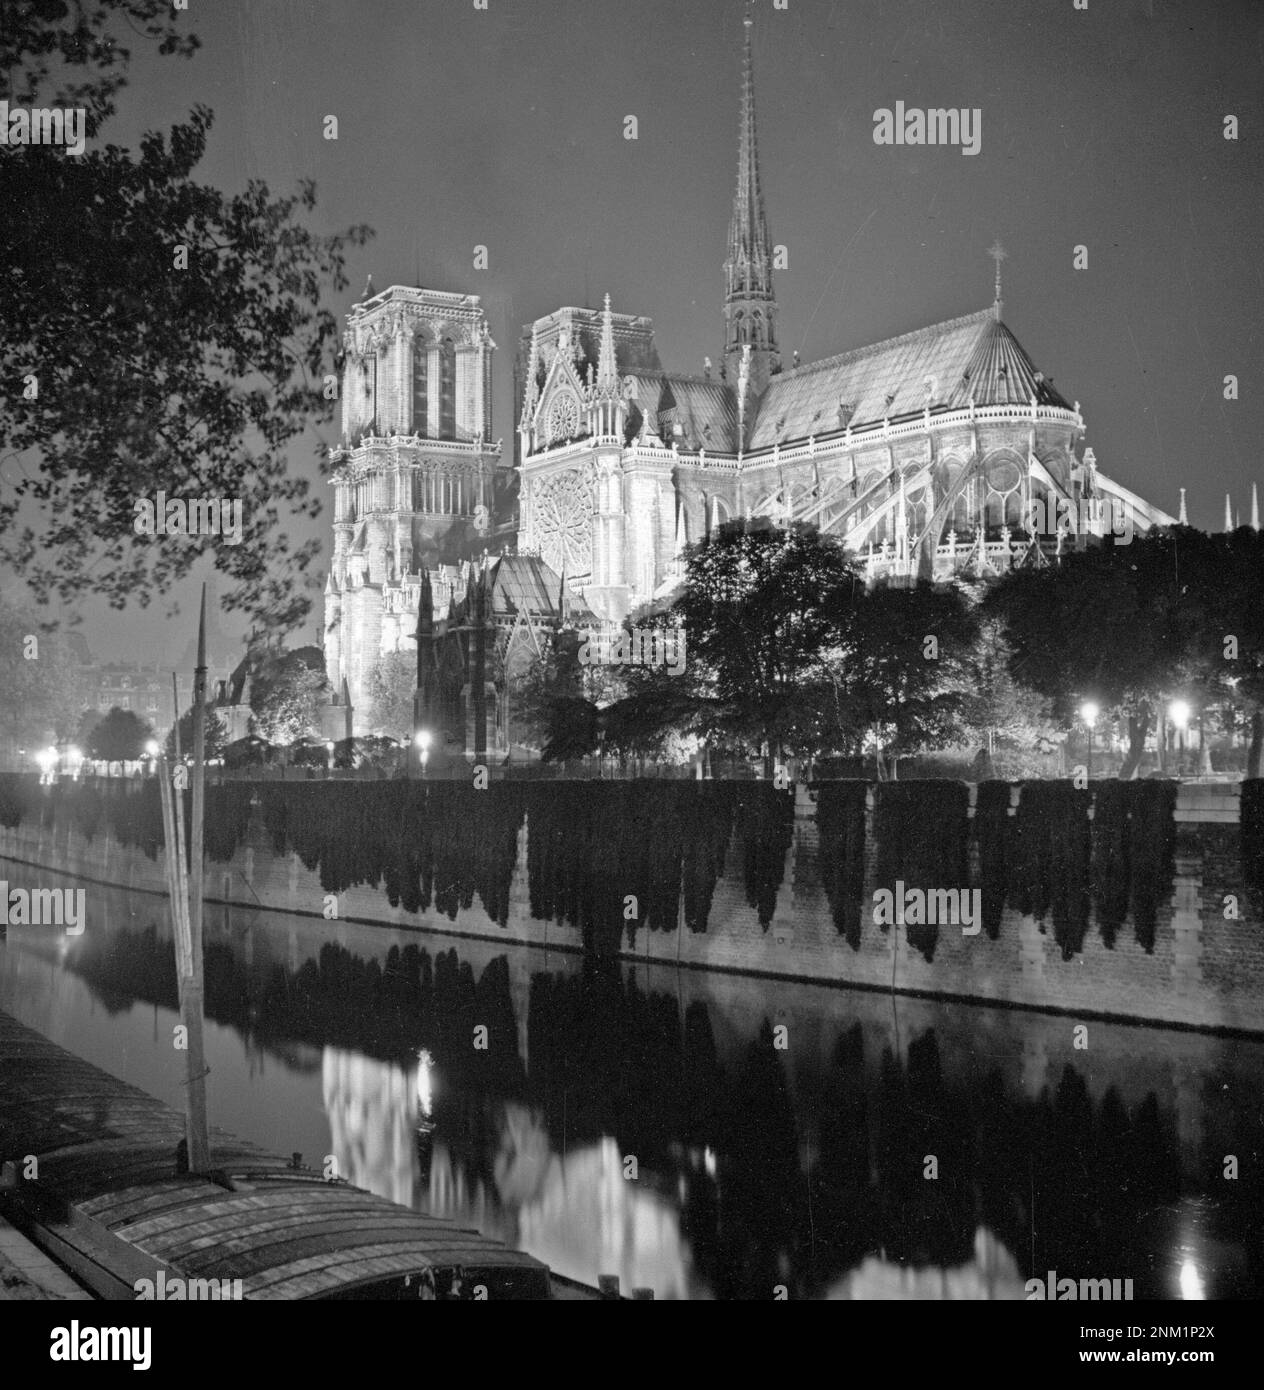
[(1089, 712), (425, 1082), (329, 746), (1191, 1282), (708, 1161), (151, 748), (1179, 713), (422, 739), (74, 755)]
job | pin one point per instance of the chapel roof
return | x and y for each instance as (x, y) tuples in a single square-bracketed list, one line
[(975, 355), (524, 584)]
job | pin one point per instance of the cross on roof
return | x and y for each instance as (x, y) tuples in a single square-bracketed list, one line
[(998, 254)]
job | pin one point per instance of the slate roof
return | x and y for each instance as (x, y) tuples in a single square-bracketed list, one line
[(706, 410), (525, 584), (976, 354)]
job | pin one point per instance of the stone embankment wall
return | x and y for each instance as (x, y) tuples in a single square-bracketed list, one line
[(1206, 968)]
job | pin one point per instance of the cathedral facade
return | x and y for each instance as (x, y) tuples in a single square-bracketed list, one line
[(925, 454)]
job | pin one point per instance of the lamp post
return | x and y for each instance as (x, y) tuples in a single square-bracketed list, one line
[(1179, 712), (152, 750), (1088, 713), (421, 741)]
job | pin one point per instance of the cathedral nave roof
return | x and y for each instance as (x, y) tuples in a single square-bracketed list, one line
[(975, 355)]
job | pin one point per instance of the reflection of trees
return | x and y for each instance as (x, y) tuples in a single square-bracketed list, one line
[(780, 1169)]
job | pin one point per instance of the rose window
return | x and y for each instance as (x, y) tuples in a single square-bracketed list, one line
[(563, 419), (563, 523)]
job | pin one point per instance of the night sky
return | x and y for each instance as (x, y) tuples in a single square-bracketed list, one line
[(504, 128)]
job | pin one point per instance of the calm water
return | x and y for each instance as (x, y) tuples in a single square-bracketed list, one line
[(645, 1122)]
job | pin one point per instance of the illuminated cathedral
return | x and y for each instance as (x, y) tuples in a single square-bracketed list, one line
[(924, 454)]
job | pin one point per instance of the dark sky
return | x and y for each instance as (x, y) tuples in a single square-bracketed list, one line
[(504, 128)]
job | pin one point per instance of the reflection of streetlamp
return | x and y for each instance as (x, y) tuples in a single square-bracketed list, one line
[(1088, 713), (46, 758), (1179, 712), (329, 753), (421, 739)]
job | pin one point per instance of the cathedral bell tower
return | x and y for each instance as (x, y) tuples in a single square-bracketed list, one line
[(750, 306)]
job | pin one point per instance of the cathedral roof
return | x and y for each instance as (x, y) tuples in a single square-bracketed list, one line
[(976, 355), (706, 410), (524, 584)]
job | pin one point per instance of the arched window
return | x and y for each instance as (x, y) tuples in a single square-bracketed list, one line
[(447, 389), (420, 357)]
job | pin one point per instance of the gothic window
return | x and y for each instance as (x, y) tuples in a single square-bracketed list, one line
[(563, 520), (563, 419), (447, 390), (420, 356)]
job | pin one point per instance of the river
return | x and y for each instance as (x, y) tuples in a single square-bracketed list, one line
[(702, 1134)]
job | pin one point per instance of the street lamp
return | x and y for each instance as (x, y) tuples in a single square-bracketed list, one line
[(421, 740), (1088, 713), (1179, 712)]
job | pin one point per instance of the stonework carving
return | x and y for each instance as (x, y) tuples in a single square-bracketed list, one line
[(562, 522)]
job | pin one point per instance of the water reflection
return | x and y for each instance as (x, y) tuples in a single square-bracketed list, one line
[(644, 1122)]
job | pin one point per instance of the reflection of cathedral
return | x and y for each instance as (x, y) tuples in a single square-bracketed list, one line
[(922, 452)]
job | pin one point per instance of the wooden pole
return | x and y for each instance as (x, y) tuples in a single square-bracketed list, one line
[(196, 835), (199, 1139)]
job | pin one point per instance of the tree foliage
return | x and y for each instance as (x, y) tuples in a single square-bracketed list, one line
[(391, 687), (41, 684), (119, 736), (216, 736), (133, 369), (286, 694)]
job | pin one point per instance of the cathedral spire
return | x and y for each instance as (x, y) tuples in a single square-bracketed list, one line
[(1183, 518), (1228, 514), (607, 373), (750, 306), (1255, 507)]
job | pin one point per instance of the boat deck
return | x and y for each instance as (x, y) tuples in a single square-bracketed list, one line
[(110, 1205)]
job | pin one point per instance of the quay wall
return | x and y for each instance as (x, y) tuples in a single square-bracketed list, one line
[(1206, 968)]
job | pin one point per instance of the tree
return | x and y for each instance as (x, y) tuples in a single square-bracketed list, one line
[(41, 683), (155, 328), (120, 736), (1110, 623), (1004, 717), (391, 687), (287, 693), (762, 609), (1223, 594), (216, 736), (905, 652)]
